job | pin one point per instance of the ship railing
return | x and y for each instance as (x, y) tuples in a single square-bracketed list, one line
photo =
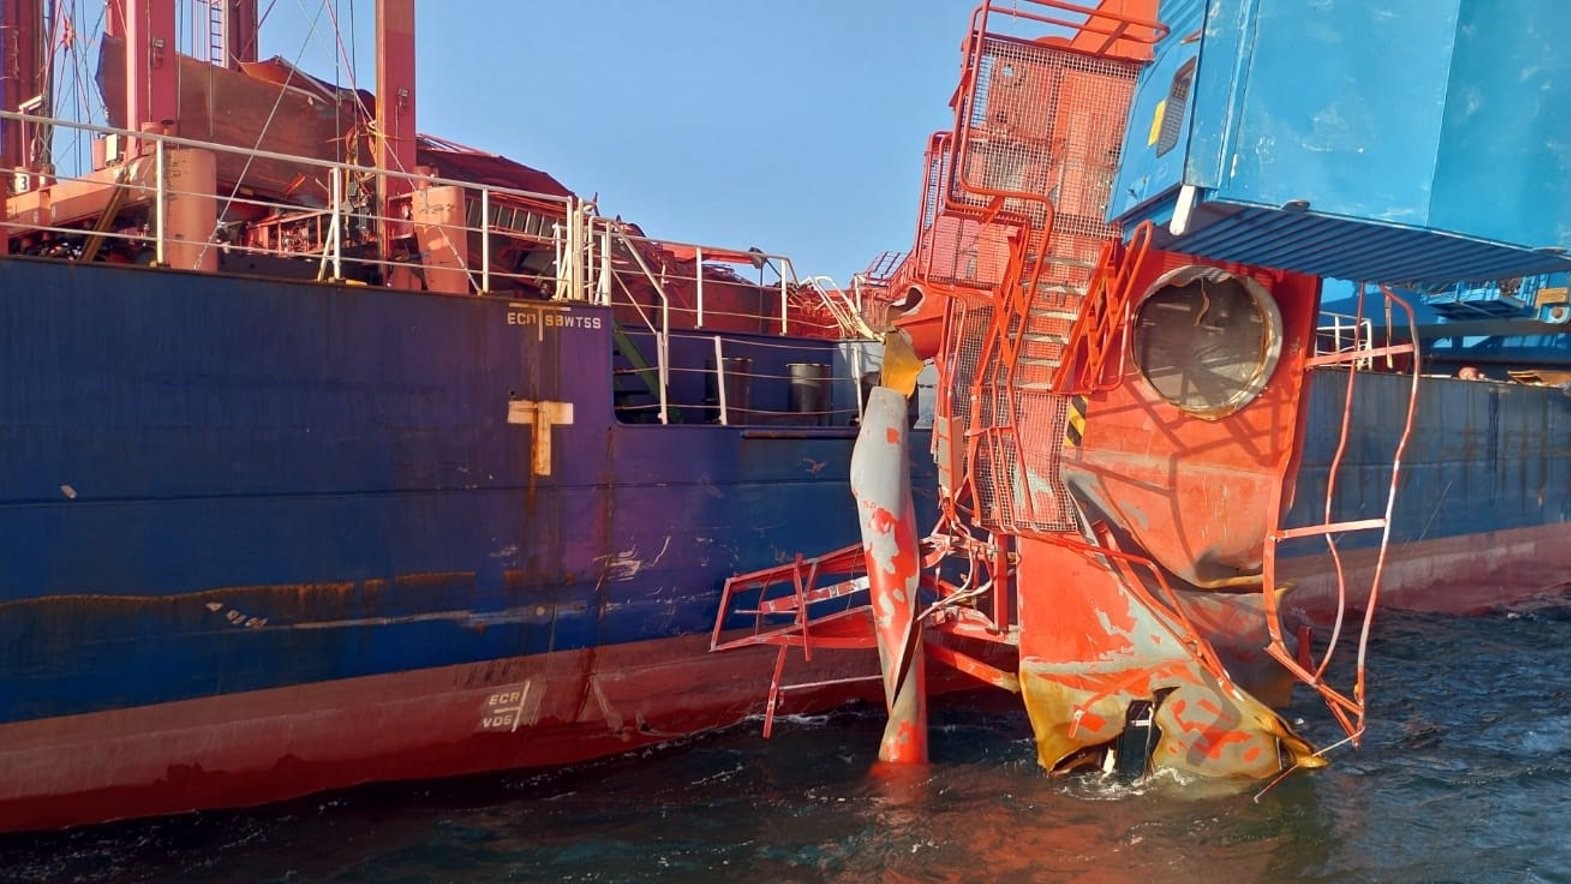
[(881, 270), (874, 287), (615, 265), (713, 287), (722, 377), (846, 308), (872, 303), (327, 217), (1492, 299), (1090, 26), (665, 287), (1344, 333)]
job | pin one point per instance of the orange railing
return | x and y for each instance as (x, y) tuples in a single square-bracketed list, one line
[(1348, 710), (1098, 336)]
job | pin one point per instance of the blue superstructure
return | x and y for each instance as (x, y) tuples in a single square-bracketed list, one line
[(1255, 137)]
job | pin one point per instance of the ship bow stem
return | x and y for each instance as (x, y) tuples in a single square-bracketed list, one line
[(881, 483)]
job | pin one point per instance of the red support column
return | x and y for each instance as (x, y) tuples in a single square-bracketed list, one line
[(241, 29), (151, 92), (395, 98), (22, 55), (21, 69)]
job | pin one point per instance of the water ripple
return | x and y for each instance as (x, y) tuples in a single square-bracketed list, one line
[(1465, 775)]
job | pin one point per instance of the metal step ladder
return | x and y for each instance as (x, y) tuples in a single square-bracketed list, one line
[(1098, 336), (217, 31)]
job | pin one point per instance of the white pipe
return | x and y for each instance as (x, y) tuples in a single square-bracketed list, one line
[(662, 344), (605, 268), (160, 188), (856, 379), (698, 268), (720, 381), (338, 226), (558, 241), (485, 241), (784, 301)]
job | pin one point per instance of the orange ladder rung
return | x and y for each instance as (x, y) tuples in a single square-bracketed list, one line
[(1328, 528), (1282, 656), (830, 682), (791, 603), (1357, 355)]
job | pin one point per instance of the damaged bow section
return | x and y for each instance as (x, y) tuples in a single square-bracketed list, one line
[(1116, 676), (1117, 433)]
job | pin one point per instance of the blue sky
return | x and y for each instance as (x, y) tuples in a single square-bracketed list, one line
[(794, 126)]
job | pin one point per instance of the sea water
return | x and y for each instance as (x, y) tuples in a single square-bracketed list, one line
[(1464, 775)]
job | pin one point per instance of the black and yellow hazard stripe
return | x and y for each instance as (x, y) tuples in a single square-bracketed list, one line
[(1075, 423)]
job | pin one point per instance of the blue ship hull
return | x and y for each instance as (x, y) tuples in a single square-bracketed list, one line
[(237, 508), (1482, 512)]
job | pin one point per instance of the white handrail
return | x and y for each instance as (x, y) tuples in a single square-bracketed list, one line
[(785, 297), (698, 265), (856, 381), (661, 334), (846, 313), (1360, 333), (603, 285), (485, 240), (338, 224), (720, 391), (160, 199)]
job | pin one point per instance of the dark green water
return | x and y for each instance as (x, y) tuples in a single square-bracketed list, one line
[(1464, 776)]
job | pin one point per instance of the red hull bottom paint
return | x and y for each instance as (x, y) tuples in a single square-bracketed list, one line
[(1464, 575), (263, 746)]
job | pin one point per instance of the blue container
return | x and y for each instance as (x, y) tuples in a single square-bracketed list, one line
[(1419, 141)]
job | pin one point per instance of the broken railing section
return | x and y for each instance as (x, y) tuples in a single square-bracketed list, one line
[(708, 287), (823, 604), (1094, 356), (1360, 354)]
